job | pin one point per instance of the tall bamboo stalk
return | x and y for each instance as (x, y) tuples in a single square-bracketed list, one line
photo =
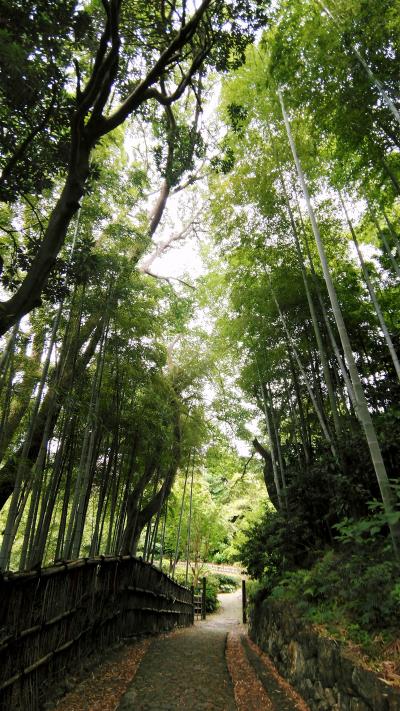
[(306, 379), (189, 529), (178, 536), (271, 442), (392, 232), (371, 76), (164, 527), (329, 331), (278, 443), (360, 399), (314, 319), (386, 245), (10, 527), (76, 522), (371, 292)]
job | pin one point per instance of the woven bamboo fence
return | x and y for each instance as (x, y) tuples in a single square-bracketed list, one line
[(53, 619)]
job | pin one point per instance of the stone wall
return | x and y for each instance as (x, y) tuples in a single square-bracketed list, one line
[(318, 667)]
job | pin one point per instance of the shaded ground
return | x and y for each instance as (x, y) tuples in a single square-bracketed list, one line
[(187, 669), (104, 685), (209, 667)]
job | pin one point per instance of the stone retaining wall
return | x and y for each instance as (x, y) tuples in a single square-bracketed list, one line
[(318, 667)]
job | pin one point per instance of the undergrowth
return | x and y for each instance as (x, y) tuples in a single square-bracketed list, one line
[(354, 594), (351, 591)]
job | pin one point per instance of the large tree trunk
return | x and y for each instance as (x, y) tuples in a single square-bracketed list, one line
[(268, 473), (88, 125), (28, 295)]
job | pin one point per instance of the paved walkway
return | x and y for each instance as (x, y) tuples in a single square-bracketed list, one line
[(187, 670)]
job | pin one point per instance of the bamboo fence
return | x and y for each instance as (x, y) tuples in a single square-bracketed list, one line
[(52, 619)]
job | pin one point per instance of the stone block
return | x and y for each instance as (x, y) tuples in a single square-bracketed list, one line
[(369, 689), (358, 705), (331, 698), (345, 674), (311, 667), (328, 661), (344, 701), (318, 667), (296, 661)]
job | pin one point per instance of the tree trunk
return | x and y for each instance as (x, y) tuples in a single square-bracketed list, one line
[(360, 399), (314, 319), (71, 370), (268, 473)]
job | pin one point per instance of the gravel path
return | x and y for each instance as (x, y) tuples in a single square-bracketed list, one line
[(187, 669)]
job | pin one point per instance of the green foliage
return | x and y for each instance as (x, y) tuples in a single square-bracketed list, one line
[(253, 590), (367, 530), (353, 591), (313, 55), (187, 144), (272, 545), (212, 589), (226, 583), (37, 42)]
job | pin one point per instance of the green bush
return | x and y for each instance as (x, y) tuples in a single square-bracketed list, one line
[(254, 589), (274, 544), (212, 588), (358, 590), (212, 602), (226, 583)]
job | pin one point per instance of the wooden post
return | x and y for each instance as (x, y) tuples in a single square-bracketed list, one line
[(203, 600), (244, 602), (192, 593)]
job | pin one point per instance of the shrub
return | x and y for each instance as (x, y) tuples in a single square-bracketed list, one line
[(212, 588), (212, 602), (359, 588), (226, 583)]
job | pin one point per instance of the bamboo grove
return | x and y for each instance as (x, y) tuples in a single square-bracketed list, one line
[(305, 209), (101, 107)]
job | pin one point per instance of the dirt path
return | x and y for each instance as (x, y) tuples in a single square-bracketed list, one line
[(188, 670)]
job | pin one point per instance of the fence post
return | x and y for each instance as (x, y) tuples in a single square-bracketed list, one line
[(203, 600), (192, 592), (244, 602)]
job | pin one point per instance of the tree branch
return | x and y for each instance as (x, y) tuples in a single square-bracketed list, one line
[(169, 279), (144, 91)]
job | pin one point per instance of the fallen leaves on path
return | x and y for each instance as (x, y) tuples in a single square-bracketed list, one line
[(296, 698), (103, 688), (250, 694)]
